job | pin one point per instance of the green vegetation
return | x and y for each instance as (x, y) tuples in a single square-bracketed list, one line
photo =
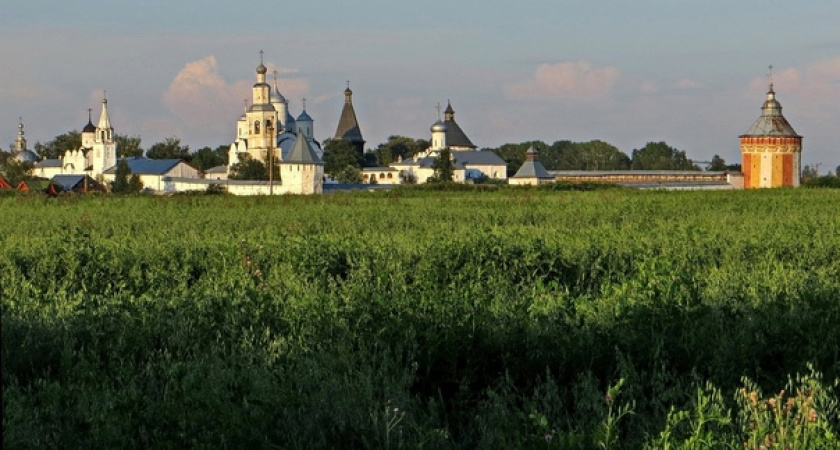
[(508, 318)]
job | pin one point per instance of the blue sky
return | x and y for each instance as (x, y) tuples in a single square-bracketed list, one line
[(691, 73)]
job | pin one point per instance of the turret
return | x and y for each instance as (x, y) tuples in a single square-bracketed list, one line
[(771, 150), (304, 123), (88, 132), (104, 153), (348, 126)]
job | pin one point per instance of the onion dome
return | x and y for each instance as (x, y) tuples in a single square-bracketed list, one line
[(439, 127), (261, 69), (276, 96), (304, 117), (26, 156), (90, 127)]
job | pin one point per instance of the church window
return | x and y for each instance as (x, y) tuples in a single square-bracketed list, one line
[(256, 127)]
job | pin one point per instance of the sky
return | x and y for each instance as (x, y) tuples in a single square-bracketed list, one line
[(691, 73)]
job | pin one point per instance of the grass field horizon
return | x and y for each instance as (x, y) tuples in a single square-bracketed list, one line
[(515, 318)]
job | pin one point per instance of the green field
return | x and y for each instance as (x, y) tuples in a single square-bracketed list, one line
[(520, 318)]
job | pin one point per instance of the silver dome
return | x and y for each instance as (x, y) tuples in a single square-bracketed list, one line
[(26, 156), (439, 127)]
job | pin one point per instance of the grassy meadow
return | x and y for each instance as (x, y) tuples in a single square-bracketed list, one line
[(517, 318)]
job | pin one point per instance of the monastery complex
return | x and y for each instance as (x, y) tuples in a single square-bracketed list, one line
[(268, 132)]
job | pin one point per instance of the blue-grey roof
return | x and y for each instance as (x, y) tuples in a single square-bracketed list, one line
[(302, 152), (478, 157), (771, 122), (217, 169), (26, 156), (68, 182), (144, 166), (304, 117), (286, 141), (49, 163), (532, 169)]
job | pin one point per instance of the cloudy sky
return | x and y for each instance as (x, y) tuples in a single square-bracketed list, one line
[(690, 72)]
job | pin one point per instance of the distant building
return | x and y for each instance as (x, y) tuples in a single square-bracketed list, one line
[(153, 171), (468, 163), (348, 127), (532, 171), (97, 153), (771, 150), (267, 126), (19, 150)]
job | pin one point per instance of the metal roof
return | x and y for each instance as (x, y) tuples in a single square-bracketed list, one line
[(478, 157), (144, 166), (348, 127), (217, 169), (302, 152), (771, 122), (532, 169), (49, 163), (455, 137)]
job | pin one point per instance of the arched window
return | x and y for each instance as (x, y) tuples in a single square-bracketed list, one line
[(256, 127), (267, 125), (381, 176), (390, 176)]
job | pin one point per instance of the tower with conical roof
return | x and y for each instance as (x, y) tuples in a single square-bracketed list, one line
[(304, 123), (348, 126), (532, 171), (104, 149), (302, 171), (456, 139), (771, 149)]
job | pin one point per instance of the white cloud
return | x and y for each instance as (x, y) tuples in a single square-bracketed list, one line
[(817, 81), (203, 99), (567, 80)]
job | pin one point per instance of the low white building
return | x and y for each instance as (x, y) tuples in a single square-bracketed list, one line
[(153, 171), (467, 162)]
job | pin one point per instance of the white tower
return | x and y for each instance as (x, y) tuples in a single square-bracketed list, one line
[(104, 148)]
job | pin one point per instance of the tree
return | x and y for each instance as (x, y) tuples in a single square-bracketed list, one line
[(660, 156), (206, 157), (809, 172), (120, 185), (338, 155), (135, 184), (56, 148), (397, 147), (444, 167), (598, 155), (251, 169), (170, 148), (128, 147), (16, 172), (349, 174), (717, 165), (514, 154), (837, 171)]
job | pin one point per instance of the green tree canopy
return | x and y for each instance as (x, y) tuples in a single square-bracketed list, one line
[(55, 148), (339, 154), (661, 156), (128, 146), (444, 167), (170, 148), (15, 171), (592, 155), (251, 169), (397, 147), (514, 154), (717, 164), (206, 157), (120, 185)]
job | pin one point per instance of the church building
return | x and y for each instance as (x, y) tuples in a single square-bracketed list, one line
[(468, 163), (97, 153)]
